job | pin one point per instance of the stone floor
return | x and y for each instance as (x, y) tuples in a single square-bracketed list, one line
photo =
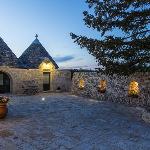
[(67, 122)]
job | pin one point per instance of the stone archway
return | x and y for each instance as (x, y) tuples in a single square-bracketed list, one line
[(5, 82)]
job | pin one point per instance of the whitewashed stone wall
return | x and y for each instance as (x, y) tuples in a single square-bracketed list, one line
[(117, 87)]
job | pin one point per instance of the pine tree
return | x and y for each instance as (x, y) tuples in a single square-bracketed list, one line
[(124, 53)]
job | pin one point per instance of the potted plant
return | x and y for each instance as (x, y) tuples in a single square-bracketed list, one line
[(3, 106)]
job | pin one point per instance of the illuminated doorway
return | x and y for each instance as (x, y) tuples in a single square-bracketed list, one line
[(46, 81)]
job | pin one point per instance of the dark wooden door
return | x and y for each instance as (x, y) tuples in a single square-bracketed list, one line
[(46, 81), (4, 83)]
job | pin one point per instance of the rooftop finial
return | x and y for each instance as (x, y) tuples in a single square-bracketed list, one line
[(36, 36)]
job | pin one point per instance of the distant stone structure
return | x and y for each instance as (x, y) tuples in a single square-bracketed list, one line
[(33, 72)]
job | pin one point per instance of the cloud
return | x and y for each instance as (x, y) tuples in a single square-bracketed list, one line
[(79, 67), (63, 59)]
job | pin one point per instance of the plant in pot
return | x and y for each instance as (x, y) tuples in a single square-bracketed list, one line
[(3, 106)]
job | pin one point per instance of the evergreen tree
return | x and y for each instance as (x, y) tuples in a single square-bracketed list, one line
[(124, 27)]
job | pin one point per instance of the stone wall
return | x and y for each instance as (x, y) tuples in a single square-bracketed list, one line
[(20, 78), (62, 80), (117, 87), (30, 81)]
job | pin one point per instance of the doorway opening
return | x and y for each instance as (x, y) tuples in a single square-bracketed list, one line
[(4, 83), (46, 81)]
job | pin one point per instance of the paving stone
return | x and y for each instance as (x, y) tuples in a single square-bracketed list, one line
[(65, 122)]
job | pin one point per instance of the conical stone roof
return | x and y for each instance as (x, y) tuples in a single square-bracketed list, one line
[(7, 57), (34, 55)]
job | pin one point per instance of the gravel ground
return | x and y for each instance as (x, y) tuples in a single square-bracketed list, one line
[(67, 122)]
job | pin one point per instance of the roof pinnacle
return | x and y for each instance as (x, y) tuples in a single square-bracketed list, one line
[(36, 36)]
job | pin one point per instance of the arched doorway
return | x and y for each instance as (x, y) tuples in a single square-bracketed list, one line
[(4, 83)]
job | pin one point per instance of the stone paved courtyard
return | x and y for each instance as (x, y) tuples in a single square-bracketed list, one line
[(67, 122)]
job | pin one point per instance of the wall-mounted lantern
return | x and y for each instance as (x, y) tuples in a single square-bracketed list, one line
[(46, 66), (81, 84), (102, 86), (133, 90)]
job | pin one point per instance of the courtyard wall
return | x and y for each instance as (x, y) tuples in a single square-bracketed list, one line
[(30, 81), (116, 90), (23, 79), (62, 80)]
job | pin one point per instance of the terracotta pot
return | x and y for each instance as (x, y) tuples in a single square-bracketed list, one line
[(3, 110)]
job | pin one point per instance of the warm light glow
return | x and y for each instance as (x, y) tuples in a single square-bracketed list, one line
[(47, 66), (133, 89), (81, 84), (102, 86), (44, 66)]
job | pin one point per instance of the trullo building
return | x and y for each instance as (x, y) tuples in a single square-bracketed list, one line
[(34, 71)]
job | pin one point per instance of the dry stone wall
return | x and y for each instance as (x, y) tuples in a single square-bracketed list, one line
[(117, 87)]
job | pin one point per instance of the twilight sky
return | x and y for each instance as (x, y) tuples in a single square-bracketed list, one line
[(52, 20)]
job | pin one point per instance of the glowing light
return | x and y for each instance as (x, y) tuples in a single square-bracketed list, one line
[(81, 84), (133, 89), (46, 66), (102, 86), (43, 99)]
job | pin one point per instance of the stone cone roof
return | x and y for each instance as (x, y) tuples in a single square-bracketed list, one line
[(34, 55), (7, 57)]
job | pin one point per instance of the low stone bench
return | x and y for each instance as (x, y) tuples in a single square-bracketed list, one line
[(30, 87)]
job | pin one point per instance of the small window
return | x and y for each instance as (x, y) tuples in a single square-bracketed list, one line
[(133, 89), (81, 84), (102, 86)]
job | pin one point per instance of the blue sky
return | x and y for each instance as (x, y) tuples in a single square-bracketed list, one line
[(52, 20)]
